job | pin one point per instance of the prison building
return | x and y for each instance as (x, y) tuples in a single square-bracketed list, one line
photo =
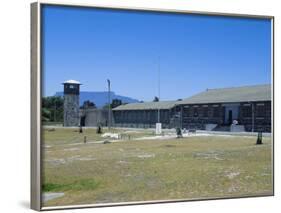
[(214, 109), (144, 115)]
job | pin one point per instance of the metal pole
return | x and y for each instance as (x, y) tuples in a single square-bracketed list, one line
[(158, 89), (181, 115), (253, 118), (55, 118), (109, 116)]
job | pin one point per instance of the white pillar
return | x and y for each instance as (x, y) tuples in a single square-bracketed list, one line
[(158, 130)]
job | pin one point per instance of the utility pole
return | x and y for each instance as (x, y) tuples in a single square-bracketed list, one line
[(158, 120), (158, 124), (253, 117), (109, 115)]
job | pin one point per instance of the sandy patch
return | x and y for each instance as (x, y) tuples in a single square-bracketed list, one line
[(71, 149), (209, 155), (51, 195), (60, 161), (56, 161), (232, 175), (132, 131), (146, 156), (111, 135)]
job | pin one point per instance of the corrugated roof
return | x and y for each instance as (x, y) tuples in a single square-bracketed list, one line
[(221, 95), (230, 95), (147, 106)]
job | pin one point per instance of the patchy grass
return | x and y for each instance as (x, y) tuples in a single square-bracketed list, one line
[(78, 185), (64, 136), (54, 187), (187, 168)]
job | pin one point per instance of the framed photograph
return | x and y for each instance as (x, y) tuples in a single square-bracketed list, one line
[(139, 105)]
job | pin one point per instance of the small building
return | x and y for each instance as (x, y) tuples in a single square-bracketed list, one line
[(144, 115), (93, 117)]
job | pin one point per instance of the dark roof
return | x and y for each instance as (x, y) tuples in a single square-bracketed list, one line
[(147, 106), (231, 95)]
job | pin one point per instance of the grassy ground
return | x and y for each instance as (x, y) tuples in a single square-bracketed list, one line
[(193, 167)]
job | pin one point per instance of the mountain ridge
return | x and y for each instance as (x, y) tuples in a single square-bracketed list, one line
[(100, 98)]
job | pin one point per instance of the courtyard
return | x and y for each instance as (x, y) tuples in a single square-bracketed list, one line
[(123, 165)]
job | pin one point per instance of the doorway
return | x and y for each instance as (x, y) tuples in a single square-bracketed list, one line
[(82, 120), (231, 113), (230, 117)]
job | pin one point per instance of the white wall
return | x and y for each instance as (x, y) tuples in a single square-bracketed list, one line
[(15, 124)]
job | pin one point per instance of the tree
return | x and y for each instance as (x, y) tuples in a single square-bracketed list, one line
[(116, 103), (46, 114), (52, 109), (156, 99), (88, 105)]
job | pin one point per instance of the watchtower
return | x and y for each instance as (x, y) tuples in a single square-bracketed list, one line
[(71, 103)]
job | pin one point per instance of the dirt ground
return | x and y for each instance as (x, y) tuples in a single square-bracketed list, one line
[(140, 168)]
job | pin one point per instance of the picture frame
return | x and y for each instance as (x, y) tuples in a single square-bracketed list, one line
[(37, 81)]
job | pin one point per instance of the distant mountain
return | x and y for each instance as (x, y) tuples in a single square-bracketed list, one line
[(101, 98)]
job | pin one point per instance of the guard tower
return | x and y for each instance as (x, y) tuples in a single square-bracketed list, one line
[(71, 103)]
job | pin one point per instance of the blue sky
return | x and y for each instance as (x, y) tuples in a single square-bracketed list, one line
[(195, 52)]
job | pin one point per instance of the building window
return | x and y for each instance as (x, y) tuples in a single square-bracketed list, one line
[(195, 112), (205, 112), (148, 115), (165, 115), (187, 112), (130, 115), (216, 112), (125, 115), (247, 111), (260, 111), (268, 110), (134, 116)]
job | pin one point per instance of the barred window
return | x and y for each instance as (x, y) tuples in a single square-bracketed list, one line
[(205, 112), (260, 110), (187, 112), (125, 115), (137, 114), (146, 116), (166, 115), (247, 111), (216, 112), (268, 110), (195, 112)]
